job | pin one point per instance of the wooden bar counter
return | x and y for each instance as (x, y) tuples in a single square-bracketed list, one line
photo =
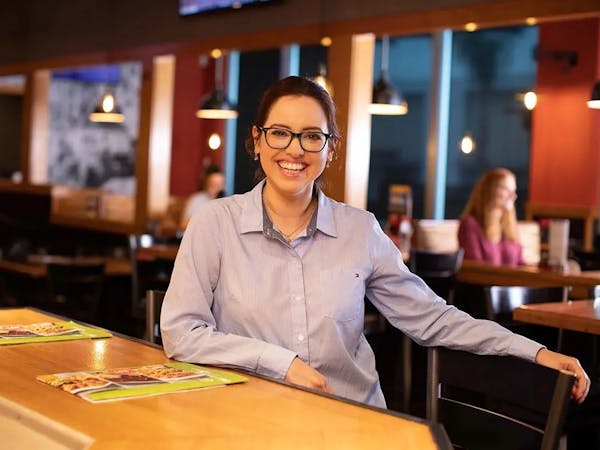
[(256, 414)]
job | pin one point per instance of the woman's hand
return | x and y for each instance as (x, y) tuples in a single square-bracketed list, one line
[(559, 361), (302, 374)]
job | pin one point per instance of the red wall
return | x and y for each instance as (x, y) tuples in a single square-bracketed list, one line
[(190, 152), (565, 148)]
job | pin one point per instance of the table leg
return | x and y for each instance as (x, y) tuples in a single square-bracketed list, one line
[(407, 372)]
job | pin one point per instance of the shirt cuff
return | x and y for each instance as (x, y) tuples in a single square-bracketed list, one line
[(524, 348), (275, 361)]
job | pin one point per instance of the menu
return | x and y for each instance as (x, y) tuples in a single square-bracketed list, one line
[(142, 381), (48, 332)]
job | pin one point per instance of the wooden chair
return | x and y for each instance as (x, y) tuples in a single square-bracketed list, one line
[(146, 274), (501, 301), (523, 404), (154, 300), (588, 260), (438, 270), (75, 287)]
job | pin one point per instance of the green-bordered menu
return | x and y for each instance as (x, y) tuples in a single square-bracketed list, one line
[(142, 381), (48, 332)]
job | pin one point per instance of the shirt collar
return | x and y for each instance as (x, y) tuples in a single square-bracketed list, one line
[(252, 213)]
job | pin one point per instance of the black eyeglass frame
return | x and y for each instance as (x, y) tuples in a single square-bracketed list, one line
[(294, 135)]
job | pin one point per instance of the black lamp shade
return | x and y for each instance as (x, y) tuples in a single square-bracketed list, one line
[(216, 106), (594, 101), (387, 100), (322, 80)]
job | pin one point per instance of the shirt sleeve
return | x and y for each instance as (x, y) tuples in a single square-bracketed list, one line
[(188, 326), (412, 307), (469, 237)]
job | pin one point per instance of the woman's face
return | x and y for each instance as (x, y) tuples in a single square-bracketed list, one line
[(292, 171), (506, 193)]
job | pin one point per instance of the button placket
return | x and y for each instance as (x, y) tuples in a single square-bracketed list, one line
[(298, 307)]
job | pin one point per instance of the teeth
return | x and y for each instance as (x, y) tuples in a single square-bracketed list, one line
[(291, 166)]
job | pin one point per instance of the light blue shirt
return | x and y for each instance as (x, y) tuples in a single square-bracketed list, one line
[(240, 296)]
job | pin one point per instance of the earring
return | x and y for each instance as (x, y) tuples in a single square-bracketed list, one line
[(256, 157)]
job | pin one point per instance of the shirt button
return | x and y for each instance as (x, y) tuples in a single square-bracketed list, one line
[(297, 298), (300, 337)]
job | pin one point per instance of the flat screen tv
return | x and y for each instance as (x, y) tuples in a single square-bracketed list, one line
[(189, 7)]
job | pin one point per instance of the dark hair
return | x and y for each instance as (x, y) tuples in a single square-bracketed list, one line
[(208, 171), (295, 86), (212, 168)]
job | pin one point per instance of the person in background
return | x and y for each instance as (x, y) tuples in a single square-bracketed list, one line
[(488, 224), (212, 187), (273, 281)]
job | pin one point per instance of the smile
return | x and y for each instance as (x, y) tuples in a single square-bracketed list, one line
[(291, 166)]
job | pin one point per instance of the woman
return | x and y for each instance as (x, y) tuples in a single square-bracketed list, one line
[(212, 187), (273, 281), (488, 225)]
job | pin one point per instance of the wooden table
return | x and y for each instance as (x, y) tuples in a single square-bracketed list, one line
[(577, 315), (257, 414), (488, 274), (160, 251), (35, 267)]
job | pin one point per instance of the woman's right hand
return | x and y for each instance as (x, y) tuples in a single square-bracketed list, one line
[(302, 374)]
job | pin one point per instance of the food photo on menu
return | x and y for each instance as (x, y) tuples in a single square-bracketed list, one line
[(130, 382), (47, 332), (36, 329)]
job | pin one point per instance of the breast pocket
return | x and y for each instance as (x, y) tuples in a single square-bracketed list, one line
[(235, 293), (343, 291)]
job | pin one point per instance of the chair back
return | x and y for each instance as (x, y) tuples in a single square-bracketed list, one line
[(154, 300), (438, 270), (587, 260), (75, 287), (502, 300), (518, 404), (146, 274)]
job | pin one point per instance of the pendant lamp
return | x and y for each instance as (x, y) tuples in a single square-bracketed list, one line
[(322, 80), (215, 105), (107, 110), (594, 101), (387, 100)]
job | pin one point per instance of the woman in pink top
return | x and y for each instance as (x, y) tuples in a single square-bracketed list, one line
[(488, 225)]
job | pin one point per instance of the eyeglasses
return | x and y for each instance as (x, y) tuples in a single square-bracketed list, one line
[(280, 139)]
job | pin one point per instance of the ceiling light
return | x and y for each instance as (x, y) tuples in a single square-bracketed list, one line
[(594, 101), (326, 41), (214, 141), (530, 100), (531, 21), (467, 144), (215, 105), (387, 100), (322, 80), (107, 110)]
